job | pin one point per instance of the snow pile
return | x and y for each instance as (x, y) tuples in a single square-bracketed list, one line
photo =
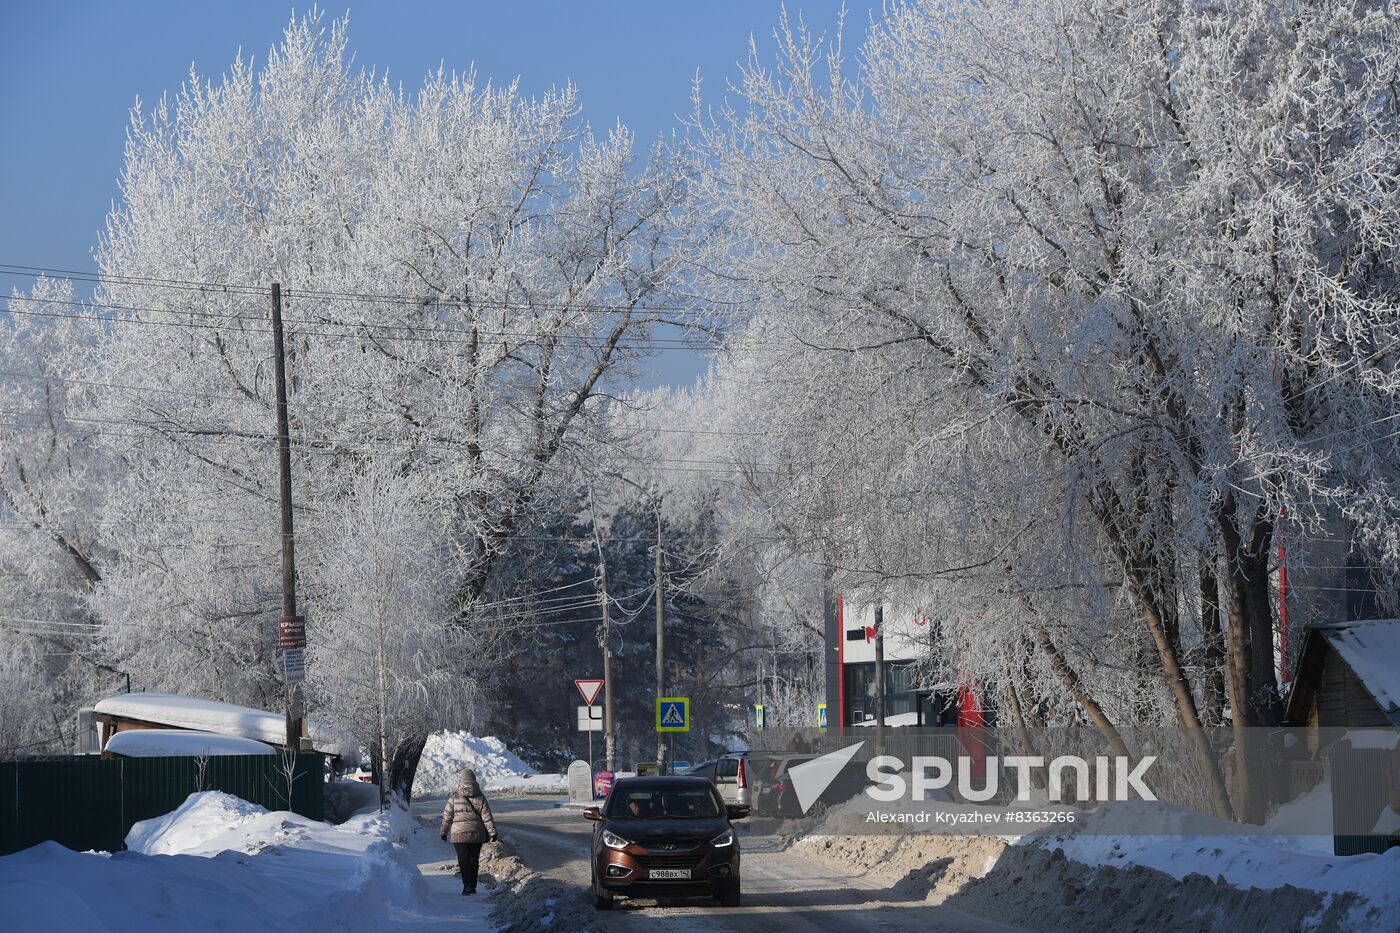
[(200, 818), (224, 863), (1201, 844), (159, 743), (497, 768), (1282, 873)]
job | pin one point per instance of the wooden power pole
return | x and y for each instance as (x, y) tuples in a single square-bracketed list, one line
[(291, 631), (661, 756), (608, 747)]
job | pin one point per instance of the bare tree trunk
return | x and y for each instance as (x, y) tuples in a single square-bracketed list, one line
[(383, 725), (1187, 714), (1213, 649), (1081, 693), (404, 765), (1027, 746), (1249, 804), (1030, 707), (1259, 604)]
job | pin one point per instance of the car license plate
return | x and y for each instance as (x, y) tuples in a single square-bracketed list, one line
[(669, 874)]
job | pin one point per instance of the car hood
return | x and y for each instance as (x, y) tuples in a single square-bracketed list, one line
[(648, 833)]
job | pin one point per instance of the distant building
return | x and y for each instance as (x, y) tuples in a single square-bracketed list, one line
[(1348, 676), (910, 699)]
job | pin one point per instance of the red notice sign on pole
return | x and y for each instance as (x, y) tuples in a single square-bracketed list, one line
[(291, 632), (590, 688)]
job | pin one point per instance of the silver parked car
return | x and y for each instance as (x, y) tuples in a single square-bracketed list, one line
[(732, 775)]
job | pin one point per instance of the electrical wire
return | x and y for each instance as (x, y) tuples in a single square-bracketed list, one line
[(96, 277), (350, 330)]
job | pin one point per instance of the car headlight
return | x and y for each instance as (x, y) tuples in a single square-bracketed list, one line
[(613, 841), (725, 838)]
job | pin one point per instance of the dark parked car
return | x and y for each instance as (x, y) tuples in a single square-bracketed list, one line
[(776, 796), (665, 837)]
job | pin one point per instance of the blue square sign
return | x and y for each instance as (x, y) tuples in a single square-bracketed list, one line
[(673, 714)]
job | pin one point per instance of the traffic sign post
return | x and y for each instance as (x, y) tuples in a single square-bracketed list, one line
[(673, 714), (590, 720), (758, 717), (821, 716), (590, 687)]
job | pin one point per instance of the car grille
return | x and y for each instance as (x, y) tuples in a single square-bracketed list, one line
[(689, 860)]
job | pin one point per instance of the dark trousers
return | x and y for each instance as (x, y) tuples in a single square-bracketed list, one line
[(468, 858)]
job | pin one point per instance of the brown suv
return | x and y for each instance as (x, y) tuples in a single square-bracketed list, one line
[(665, 837)]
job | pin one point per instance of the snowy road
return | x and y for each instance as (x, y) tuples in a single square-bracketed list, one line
[(782, 890)]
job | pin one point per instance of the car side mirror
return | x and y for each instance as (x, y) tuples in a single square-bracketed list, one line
[(736, 812), (592, 813)]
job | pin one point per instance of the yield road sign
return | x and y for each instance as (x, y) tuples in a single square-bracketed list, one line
[(590, 688), (673, 714), (590, 719)]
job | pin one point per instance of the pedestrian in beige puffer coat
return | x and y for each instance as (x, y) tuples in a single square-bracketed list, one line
[(467, 823)]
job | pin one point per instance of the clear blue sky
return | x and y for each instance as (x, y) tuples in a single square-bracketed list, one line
[(70, 71)]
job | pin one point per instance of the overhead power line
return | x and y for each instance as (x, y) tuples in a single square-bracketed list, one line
[(351, 330), (422, 299), (322, 406)]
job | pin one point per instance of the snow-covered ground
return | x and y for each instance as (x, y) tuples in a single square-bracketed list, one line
[(1294, 848), (219, 862), (1272, 856), (497, 768)]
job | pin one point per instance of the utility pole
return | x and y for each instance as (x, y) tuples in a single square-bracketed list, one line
[(607, 663), (289, 620), (609, 745), (661, 756), (880, 678)]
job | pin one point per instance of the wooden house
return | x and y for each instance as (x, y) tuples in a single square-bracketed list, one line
[(1348, 677)]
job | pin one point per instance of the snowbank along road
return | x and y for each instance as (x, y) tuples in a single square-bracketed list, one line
[(782, 890)]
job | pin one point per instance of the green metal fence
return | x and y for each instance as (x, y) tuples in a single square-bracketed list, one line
[(85, 802), (1360, 791)]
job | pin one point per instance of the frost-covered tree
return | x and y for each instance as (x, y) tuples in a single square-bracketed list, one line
[(465, 271), (1135, 258), (385, 665)]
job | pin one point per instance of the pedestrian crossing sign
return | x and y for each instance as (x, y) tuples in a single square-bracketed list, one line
[(673, 714), (821, 716)]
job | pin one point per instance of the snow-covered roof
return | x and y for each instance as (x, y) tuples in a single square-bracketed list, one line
[(169, 709), (161, 743), (1372, 650)]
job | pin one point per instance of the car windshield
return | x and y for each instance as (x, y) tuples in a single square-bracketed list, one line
[(663, 803)]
